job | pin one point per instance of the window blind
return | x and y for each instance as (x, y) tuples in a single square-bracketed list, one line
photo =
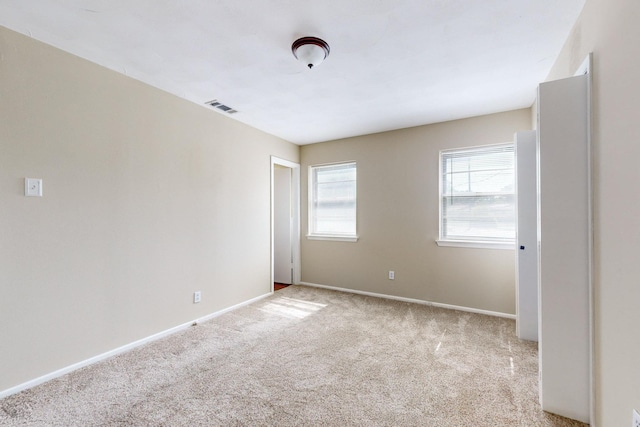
[(332, 210), (477, 200)]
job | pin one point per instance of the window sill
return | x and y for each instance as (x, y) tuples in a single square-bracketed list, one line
[(476, 245), (332, 238)]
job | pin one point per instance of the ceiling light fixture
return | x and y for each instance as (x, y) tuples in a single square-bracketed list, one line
[(310, 50)]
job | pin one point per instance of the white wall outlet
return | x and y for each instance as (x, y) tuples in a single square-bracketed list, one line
[(636, 419), (392, 275), (197, 296), (32, 187)]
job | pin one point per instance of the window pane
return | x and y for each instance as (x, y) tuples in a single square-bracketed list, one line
[(487, 218), (477, 200), (333, 207), (486, 181)]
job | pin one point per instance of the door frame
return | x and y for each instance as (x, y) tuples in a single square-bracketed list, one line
[(586, 68), (295, 217)]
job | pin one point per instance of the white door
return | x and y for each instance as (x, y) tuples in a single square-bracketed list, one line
[(282, 216), (527, 237), (564, 247)]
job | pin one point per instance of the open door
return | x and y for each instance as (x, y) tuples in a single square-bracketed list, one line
[(526, 237), (564, 245), (285, 221), (282, 226)]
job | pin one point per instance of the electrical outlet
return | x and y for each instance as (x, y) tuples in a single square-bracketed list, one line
[(636, 419), (33, 187), (392, 275), (197, 296)]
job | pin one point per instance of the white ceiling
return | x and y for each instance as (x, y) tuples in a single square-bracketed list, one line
[(393, 63)]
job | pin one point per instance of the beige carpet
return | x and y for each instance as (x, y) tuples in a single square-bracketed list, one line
[(306, 357)]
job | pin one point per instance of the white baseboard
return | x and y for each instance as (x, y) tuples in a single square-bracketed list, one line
[(124, 348), (415, 301)]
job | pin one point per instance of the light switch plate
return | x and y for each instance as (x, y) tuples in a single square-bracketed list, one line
[(32, 187)]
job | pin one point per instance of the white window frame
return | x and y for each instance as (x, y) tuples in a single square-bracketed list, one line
[(467, 243), (312, 235)]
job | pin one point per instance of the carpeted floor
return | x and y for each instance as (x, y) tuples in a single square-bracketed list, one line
[(307, 357)]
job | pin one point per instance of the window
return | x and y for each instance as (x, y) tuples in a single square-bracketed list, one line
[(477, 200), (332, 202)]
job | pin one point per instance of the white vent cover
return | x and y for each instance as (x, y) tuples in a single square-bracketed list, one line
[(220, 106)]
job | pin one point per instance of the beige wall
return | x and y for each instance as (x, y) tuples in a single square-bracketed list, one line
[(147, 198), (609, 29), (398, 218)]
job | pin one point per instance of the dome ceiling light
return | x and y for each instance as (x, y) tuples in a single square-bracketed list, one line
[(310, 50)]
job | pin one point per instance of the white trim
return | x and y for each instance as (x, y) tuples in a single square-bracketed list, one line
[(415, 301), (295, 229), (228, 309), (476, 245), (127, 347), (586, 68), (319, 165), (332, 238)]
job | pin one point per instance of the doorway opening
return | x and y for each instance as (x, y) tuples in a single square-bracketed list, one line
[(278, 286), (285, 223)]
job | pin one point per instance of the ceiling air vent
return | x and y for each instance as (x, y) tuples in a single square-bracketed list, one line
[(221, 107)]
